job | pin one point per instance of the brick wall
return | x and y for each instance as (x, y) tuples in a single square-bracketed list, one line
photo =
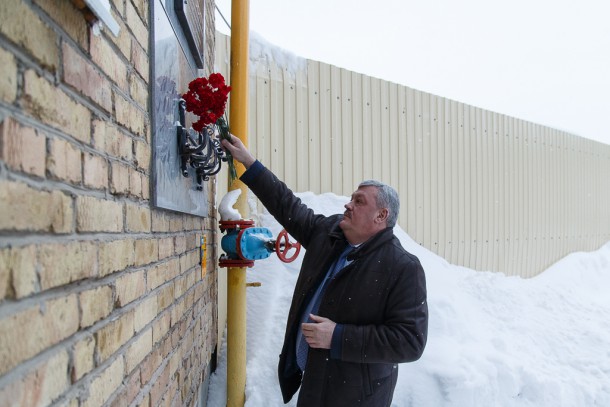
[(102, 299)]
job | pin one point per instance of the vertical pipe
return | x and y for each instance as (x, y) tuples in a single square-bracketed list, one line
[(236, 337), (236, 295)]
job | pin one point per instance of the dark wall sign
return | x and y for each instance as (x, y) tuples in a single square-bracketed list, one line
[(173, 67)]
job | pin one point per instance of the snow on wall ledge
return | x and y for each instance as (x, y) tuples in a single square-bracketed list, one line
[(262, 51)]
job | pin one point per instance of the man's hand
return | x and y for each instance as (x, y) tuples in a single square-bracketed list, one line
[(239, 151), (319, 333)]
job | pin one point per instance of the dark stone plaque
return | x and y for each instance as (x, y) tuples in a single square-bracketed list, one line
[(173, 68)]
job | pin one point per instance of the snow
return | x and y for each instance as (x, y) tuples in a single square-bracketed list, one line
[(225, 209), (493, 340), (262, 52)]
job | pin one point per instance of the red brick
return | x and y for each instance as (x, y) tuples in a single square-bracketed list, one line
[(109, 139), (159, 387), (68, 17), (96, 304), (64, 161), (24, 208), (98, 215), (166, 247), (165, 297), (137, 219), (41, 385), (30, 331), (129, 115), (113, 335), (116, 256), (150, 364), (129, 287), (18, 276), (104, 55), (138, 90), (124, 40), (102, 387), (119, 178), (128, 392), (160, 222), (63, 263), (23, 148), (95, 171), (35, 37), (138, 350), (145, 312), (8, 79), (143, 153), (161, 327), (81, 75), (48, 103), (82, 361), (137, 26), (157, 275), (135, 183), (146, 251)]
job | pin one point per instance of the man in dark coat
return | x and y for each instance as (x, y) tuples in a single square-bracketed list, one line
[(359, 305)]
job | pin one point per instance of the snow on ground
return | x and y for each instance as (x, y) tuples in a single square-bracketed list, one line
[(493, 340)]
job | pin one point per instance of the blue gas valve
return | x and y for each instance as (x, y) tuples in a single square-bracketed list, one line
[(244, 243)]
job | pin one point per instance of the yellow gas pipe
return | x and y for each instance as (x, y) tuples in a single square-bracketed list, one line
[(236, 291)]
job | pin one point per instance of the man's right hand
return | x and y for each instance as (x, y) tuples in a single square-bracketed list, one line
[(239, 151)]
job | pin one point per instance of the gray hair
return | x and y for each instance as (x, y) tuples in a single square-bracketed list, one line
[(387, 197)]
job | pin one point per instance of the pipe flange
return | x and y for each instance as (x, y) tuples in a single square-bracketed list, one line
[(235, 224), (226, 262)]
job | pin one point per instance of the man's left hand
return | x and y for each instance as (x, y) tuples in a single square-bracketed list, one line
[(318, 333)]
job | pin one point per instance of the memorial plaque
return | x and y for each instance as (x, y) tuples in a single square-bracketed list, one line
[(173, 68)]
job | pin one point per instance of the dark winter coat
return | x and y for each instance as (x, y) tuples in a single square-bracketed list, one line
[(379, 300)]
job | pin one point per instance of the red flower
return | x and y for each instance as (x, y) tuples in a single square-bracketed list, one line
[(207, 98)]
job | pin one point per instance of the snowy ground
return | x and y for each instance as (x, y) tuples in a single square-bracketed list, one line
[(493, 340)]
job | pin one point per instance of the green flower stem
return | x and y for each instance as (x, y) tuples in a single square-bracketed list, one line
[(225, 133)]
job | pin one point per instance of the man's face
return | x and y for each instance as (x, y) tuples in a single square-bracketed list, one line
[(361, 219)]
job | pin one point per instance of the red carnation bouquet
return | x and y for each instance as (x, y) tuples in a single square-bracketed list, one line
[(207, 98)]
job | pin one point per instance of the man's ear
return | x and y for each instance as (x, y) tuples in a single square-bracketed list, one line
[(382, 215)]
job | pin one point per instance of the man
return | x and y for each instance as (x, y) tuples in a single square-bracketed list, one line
[(359, 305)]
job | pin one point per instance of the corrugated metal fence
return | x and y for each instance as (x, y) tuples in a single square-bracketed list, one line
[(481, 189)]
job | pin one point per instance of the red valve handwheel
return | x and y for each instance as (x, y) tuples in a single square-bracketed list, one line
[(283, 246)]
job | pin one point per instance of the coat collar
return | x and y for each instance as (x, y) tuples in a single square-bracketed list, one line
[(367, 247)]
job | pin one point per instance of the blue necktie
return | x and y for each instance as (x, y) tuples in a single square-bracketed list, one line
[(314, 305)]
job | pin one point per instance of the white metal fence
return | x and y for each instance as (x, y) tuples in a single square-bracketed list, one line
[(481, 189)]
